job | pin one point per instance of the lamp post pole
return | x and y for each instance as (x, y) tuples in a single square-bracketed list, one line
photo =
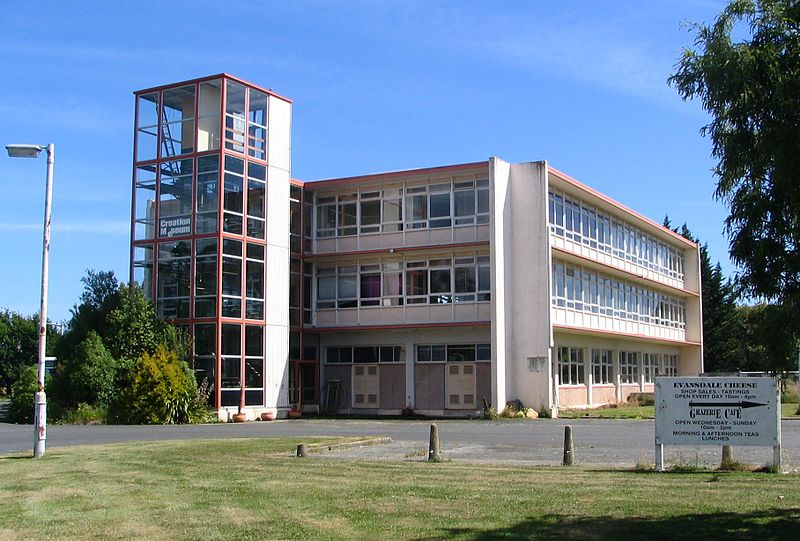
[(40, 412), (40, 400)]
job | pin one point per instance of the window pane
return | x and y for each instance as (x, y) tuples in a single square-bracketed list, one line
[(464, 203), (465, 280)]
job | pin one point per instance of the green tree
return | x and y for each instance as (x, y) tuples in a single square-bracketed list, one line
[(100, 296), (23, 391), (133, 327), (88, 375), (768, 341), (722, 339), (19, 338), (750, 87)]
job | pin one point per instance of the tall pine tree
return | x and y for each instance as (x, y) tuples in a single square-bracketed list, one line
[(722, 326)]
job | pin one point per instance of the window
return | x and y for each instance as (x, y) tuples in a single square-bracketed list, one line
[(577, 221), (628, 367), (231, 364), (436, 281), (364, 354), (254, 365), (231, 278), (143, 268), (205, 278), (173, 279), (233, 196), (454, 353), (254, 282), (256, 200), (257, 125), (602, 367), (650, 366), (346, 215), (205, 356), (584, 290), (177, 122), (439, 205), (570, 363), (145, 202), (208, 110), (207, 194), (326, 217), (175, 204)]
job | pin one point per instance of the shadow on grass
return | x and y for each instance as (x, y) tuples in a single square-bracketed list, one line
[(762, 525)]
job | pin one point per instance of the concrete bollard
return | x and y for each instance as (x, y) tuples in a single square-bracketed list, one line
[(433, 448), (569, 447), (301, 450)]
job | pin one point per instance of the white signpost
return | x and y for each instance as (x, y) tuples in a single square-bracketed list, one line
[(740, 411)]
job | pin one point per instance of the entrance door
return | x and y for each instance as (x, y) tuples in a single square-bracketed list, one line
[(366, 386), (460, 386), (304, 382)]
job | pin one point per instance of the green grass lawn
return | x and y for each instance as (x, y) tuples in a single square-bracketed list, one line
[(247, 489), (788, 411), (625, 412)]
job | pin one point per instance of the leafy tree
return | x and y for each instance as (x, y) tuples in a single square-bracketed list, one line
[(100, 296), (88, 375), (19, 338), (767, 338), (20, 410), (750, 87), (134, 328)]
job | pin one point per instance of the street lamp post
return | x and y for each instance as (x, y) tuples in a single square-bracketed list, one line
[(40, 408)]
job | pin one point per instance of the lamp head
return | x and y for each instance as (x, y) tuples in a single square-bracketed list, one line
[(24, 151)]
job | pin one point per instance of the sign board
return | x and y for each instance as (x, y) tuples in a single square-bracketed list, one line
[(174, 227), (717, 411)]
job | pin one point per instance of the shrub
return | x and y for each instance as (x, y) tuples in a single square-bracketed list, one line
[(23, 391), (160, 390), (84, 414), (88, 376)]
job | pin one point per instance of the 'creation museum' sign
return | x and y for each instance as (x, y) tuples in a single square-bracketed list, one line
[(738, 411)]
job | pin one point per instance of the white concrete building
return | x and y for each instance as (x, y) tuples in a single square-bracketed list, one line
[(429, 290)]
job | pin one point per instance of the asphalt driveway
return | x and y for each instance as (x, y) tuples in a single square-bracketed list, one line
[(597, 441)]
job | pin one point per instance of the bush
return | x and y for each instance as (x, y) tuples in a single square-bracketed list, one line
[(88, 376), (84, 414), (161, 390), (23, 392)]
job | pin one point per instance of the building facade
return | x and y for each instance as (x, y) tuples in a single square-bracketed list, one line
[(439, 290)]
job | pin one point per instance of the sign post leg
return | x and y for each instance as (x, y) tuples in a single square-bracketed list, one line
[(776, 458), (659, 457)]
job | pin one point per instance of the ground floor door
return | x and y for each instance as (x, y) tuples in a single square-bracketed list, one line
[(460, 386), (303, 382), (366, 386)]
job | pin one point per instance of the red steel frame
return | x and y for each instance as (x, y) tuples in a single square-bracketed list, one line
[(218, 319)]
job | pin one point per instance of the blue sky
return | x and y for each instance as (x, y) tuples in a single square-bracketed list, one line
[(376, 85)]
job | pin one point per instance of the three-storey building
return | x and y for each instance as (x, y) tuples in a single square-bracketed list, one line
[(439, 290)]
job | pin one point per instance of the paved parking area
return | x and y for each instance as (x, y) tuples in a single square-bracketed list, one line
[(598, 442)]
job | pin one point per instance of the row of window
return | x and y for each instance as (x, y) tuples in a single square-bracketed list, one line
[(575, 220), (572, 365), (173, 183), (165, 123), (243, 278), (429, 206), (392, 283), (453, 353), (587, 291)]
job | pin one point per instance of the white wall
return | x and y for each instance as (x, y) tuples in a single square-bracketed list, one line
[(277, 261)]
